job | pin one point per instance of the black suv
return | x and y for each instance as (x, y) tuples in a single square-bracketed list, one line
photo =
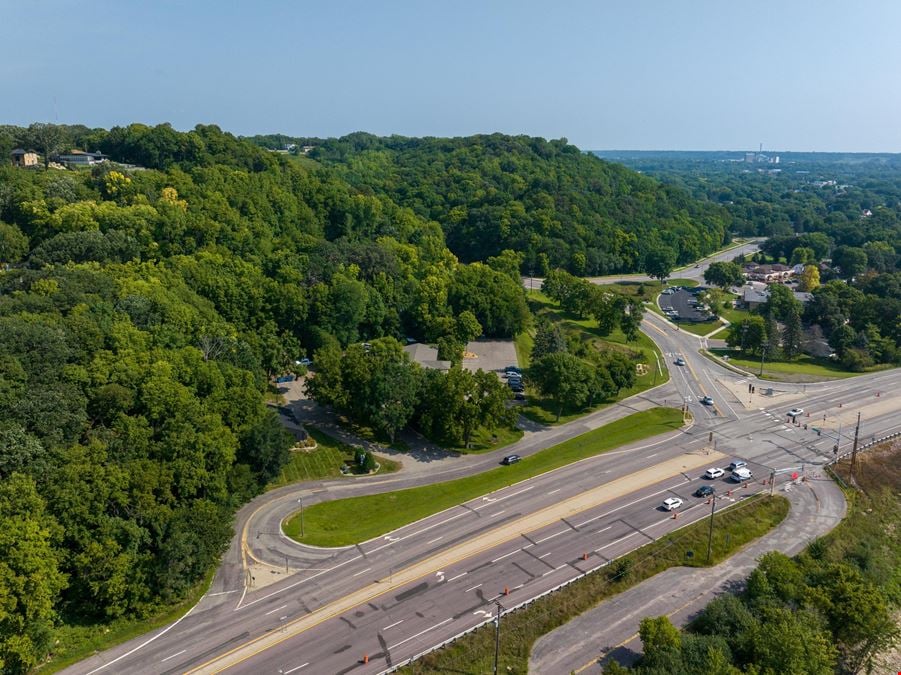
[(511, 459)]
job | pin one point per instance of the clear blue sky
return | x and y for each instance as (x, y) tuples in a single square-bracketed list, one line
[(607, 74)]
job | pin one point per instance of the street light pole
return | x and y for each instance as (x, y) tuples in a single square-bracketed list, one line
[(497, 636), (300, 500), (854, 447), (710, 531)]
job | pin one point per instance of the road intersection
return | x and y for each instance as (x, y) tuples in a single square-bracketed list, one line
[(279, 607)]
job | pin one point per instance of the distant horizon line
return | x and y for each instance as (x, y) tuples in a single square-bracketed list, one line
[(763, 152)]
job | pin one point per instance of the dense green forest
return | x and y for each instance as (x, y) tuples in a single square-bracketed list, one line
[(145, 304), (852, 199), (558, 206), (839, 214)]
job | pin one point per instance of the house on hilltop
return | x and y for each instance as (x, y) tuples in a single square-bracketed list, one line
[(76, 158), (24, 158)]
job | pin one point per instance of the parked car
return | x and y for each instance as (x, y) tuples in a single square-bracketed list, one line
[(794, 412), (510, 459), (517, 388), (303, 362), (672, 503), (714, 472), (519, 396), (741, 475), (737, 464), (705, 491), (706, 400)]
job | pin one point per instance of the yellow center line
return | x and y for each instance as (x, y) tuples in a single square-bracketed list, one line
[(478, 544)]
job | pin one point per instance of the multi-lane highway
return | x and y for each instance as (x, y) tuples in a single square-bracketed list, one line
[(367, 608)]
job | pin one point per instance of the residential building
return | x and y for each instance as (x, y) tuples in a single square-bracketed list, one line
[(426, 356), (767, 273), (76, 158), (24, 158)]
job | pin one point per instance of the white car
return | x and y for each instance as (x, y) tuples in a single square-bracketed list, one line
[(741, 475), (672, 503), (794, 412), (714, 472)]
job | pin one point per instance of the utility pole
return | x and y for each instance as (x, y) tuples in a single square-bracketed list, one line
[(763, 349), (710, 532), (854, 447), (497, 636)]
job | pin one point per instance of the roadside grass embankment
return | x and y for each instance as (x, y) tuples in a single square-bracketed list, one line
[(339, 522), (734, 527), (544, 410), (803, 368), (75, 640), (323, 462)]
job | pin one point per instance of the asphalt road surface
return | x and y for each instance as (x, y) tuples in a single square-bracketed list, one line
[(364, 609), (690, 272)]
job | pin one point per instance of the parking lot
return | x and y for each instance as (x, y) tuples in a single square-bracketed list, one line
[(490, 355), (683, 305)]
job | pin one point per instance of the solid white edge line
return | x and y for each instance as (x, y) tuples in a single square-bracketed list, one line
[(144, 644), (173, 655)]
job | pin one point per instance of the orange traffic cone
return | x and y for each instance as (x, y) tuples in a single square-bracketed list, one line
[(506, 591), (365, 658)]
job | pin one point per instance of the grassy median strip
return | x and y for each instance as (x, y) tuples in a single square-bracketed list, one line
[(350, 521), (733, 528)]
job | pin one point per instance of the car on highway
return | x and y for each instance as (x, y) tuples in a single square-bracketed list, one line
[(706, 400), (794, 412), (705, 491), (737, 464), (671, 503), (741, 475), (510, 459), (714, 472), (680, 361)]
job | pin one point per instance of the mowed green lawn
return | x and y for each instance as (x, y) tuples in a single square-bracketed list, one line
[(544, 410), (350, 521), (803, 365), (703, 328), (323, 462)]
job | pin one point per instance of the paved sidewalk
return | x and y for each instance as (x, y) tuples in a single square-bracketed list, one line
[(610, 630)]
